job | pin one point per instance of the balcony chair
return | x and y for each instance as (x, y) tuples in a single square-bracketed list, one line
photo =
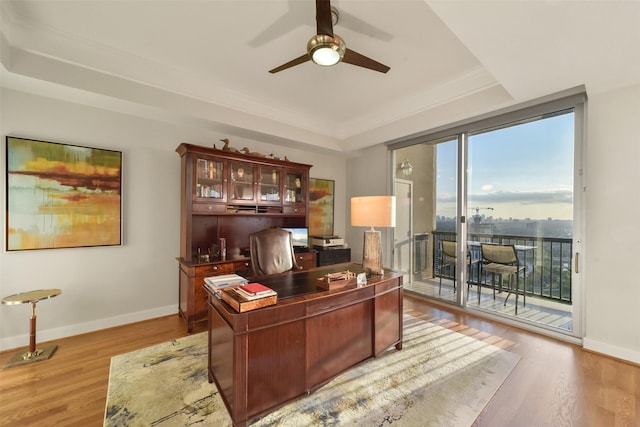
[(501, 260), (271, 252), (448, 257)]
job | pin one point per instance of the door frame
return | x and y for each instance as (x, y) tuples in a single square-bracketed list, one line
[(407, 278)]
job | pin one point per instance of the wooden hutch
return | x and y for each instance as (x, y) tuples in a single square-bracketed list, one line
[(229, 195)]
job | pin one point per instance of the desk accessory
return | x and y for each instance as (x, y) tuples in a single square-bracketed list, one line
[(337, 280), (241, 304)]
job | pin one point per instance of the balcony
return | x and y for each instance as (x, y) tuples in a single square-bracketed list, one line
[(547, 278)]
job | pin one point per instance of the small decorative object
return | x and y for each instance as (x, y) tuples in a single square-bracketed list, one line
[(373, 211), (222, 243), (203, 257), (337, 280), (226, 146), (246, 151), (361, 279)]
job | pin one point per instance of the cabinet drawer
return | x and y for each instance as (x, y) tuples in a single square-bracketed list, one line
[(222, 267), (293, 210), (213, 269), (209, 208), (305, 256), (241, 265), (306, 260)]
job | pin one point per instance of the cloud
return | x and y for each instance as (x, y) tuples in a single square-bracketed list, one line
[(522, 197)]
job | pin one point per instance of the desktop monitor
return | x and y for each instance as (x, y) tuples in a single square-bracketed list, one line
[(300, 236)]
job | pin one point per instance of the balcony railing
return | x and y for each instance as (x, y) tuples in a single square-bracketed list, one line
[(548, 264)]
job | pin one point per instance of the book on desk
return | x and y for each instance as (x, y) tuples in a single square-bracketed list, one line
[(253, 291), (216, 284), (247, 300)]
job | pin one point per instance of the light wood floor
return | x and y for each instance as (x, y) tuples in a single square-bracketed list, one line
[(554, 384)]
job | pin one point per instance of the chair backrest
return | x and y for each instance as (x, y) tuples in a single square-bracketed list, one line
[(448, 248), (271, 252), (500, 254)]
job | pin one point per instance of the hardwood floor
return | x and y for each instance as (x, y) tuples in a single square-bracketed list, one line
[(554, 384)]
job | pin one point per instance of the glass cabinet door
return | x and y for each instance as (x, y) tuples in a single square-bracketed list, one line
[(210, 179), (293, 191), (242, 182), (269, 184)]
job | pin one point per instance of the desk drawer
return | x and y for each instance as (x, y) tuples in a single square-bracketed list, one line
[(333, 302), (388, 285)]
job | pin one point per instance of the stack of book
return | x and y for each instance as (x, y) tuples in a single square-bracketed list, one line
[(216, 284), (249, 297)]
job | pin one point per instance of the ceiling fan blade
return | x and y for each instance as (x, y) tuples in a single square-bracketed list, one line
[(323, 17), (356, 24), (299, 60), (354, 58)]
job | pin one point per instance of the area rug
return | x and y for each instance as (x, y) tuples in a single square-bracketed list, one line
[(439, 378)]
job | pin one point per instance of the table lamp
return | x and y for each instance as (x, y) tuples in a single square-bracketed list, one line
[(373, 211)]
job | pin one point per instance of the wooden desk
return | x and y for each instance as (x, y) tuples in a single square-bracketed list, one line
[(262, 359)]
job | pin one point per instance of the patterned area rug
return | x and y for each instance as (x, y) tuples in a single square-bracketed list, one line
[(439, 378)]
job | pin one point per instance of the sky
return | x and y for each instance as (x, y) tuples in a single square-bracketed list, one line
[(523, 171)]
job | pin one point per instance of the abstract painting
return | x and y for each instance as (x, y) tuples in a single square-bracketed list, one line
[(321, 199), (62, 196)]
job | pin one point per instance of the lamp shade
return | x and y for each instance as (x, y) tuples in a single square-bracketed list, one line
[(373, 211)]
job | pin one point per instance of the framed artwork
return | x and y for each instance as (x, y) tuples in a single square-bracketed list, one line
[(321, 201), (62, 196)]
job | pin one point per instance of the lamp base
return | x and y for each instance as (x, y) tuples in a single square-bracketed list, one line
[(372, 253)]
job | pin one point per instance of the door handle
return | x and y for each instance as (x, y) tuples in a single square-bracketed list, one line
[(577, 270)]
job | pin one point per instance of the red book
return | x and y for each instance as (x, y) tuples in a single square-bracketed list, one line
[(255, 288)]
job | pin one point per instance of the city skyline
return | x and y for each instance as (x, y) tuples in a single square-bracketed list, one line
[(522, 171)]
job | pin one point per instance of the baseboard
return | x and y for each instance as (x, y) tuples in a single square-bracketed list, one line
[(612, 350), (44, 335)]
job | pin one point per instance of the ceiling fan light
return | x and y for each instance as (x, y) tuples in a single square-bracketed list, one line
[(325, 55), (325, 50)]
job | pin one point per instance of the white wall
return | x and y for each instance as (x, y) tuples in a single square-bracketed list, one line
[(612, 280), (108, 286), (368, 175), (613, 224)]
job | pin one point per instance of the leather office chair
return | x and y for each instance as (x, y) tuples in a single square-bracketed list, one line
[(501, 260), (271, 252)]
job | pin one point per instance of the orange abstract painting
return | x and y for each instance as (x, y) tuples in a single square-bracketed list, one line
[(62, 196)]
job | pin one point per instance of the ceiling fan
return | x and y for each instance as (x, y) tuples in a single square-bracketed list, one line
[(327, 48)]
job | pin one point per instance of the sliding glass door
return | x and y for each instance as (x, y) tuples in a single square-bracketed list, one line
[(511, 184), (521, 195)]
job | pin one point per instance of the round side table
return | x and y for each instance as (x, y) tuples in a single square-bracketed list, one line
[(32, 297)]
